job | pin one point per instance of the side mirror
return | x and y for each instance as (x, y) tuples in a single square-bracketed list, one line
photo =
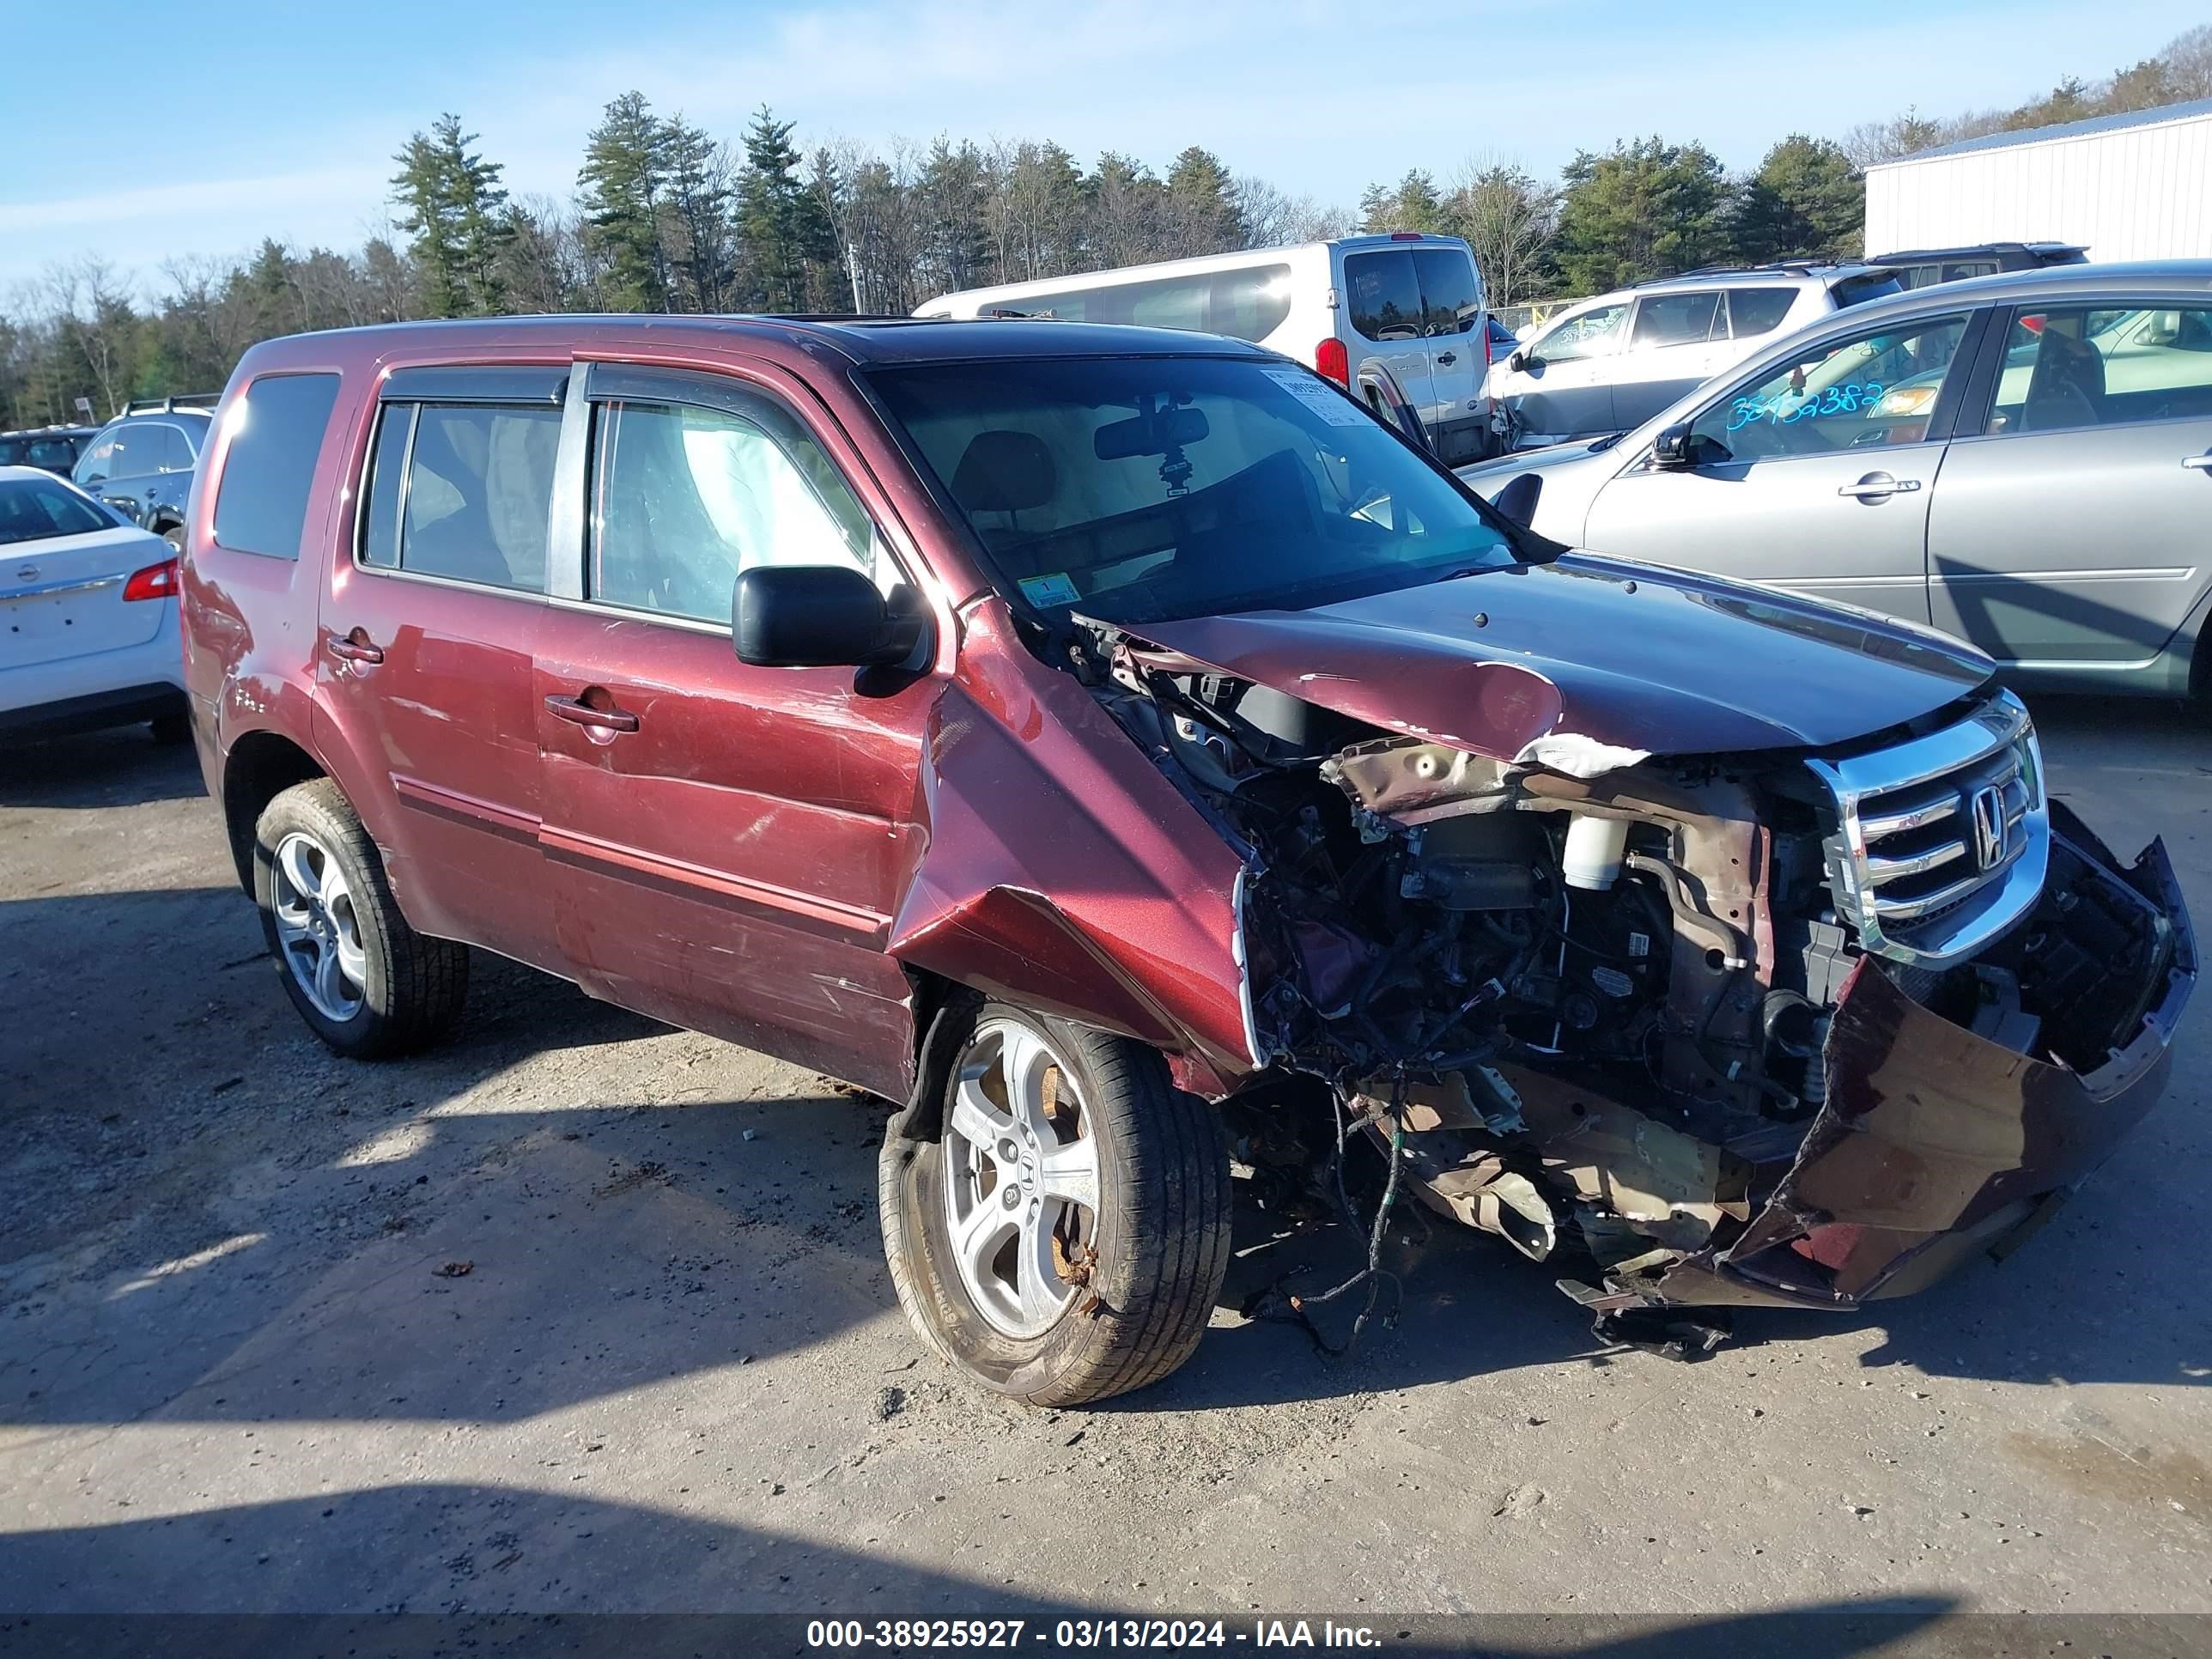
[(1673, 448), (818, 616), (1517, 501), (1519, 361)]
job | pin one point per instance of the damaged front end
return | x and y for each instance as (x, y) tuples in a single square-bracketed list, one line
[(1777, 1027)]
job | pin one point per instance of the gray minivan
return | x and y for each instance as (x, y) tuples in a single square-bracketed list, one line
[(2024, 460)]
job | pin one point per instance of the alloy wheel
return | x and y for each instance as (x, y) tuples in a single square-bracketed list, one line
[(1021, 1180), (317, 930)]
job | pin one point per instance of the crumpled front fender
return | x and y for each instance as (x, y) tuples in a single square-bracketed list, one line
[(1062, 870)]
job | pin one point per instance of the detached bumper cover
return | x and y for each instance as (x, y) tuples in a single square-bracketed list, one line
[(1934, 1141)]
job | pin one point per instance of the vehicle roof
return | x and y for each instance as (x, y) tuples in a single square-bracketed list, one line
[(1780, 275), (50, 432), (2182, 278), (1914, 255), (194, 412), (867, 341), (1196, 264)]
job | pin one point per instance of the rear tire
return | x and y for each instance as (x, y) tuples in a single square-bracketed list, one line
[(175, 535), (366, 983), (1134, 1274)]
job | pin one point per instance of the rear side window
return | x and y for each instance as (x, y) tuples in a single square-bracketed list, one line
[(1755, 311), (462, 490), (1383, 295), (268, 472), (1251, 304), (1870, 285), (1671, 319), (173, 451), (1451, 301)]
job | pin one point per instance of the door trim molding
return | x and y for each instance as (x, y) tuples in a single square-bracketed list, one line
[(611, 858), (471, 810)]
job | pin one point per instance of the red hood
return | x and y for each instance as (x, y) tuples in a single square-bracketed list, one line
[(1590, 664)]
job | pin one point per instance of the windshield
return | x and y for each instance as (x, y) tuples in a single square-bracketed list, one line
[(1154, 489), (32, 509)]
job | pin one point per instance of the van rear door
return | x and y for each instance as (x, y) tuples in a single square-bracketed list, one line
[(1382, 320), (1452, 314)]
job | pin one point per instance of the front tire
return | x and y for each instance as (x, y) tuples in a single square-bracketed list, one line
[(1060, 1228), (366, 983)]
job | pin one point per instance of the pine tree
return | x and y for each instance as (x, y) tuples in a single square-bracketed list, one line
[(623, 183), (699, 196), (1205, 197), (781, 224), (956, 242), (454, 210)]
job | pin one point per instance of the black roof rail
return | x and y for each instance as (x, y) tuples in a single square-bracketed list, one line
[(1795, 267)]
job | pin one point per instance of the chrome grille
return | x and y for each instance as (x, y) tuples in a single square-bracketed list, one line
[(1941, 843)]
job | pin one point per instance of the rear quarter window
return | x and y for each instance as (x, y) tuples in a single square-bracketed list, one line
[(268, 472), (1383, 295), (1756, 311)]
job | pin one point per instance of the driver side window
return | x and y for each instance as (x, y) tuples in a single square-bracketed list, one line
[(1871, 391), (1593, 334), (683, 498)]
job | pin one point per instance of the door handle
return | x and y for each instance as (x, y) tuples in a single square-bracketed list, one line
[(353, 647), (2198, 463), (1448, 358), (577, 713), (1878, 486)]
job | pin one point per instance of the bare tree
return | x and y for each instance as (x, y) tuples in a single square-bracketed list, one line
[(92, 314), (1274, 218), (1507, 218)]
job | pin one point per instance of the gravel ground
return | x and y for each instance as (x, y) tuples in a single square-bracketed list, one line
[(584, 1313)]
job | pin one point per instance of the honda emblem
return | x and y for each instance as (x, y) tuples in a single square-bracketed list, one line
[(1989, 816)]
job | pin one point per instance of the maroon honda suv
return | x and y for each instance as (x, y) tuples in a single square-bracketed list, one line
[(1114, 747)]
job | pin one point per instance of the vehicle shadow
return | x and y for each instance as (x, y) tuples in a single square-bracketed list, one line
[(1995, 612), (401, 1570), (122, 766)]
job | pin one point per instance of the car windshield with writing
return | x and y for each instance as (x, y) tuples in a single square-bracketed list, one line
[(1149, 489)]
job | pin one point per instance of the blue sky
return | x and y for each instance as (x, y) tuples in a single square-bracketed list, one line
[(280, 120)]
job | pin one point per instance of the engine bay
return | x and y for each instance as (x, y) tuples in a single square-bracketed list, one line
[(1591, 1015)]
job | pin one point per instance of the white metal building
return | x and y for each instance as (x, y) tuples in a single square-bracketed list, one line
[(2136, 186)]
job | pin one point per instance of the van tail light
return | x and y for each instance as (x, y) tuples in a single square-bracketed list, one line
[(1405, 236), (1485, 345), (1334, 362), (156, 581)]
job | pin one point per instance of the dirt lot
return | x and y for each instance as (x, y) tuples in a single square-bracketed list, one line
[(240, 1366)]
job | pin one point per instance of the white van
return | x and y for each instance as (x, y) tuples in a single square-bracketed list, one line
[(1398, 317)]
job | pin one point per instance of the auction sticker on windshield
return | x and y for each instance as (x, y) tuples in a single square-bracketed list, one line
[(1316, 395), (1053, 589)]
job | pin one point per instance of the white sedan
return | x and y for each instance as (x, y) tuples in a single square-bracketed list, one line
[(87, 615)]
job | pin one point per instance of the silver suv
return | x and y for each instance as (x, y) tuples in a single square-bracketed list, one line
[(1605, 364), (2024, 460)]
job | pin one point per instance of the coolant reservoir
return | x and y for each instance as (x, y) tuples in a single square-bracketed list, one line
[(1594, 848)]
